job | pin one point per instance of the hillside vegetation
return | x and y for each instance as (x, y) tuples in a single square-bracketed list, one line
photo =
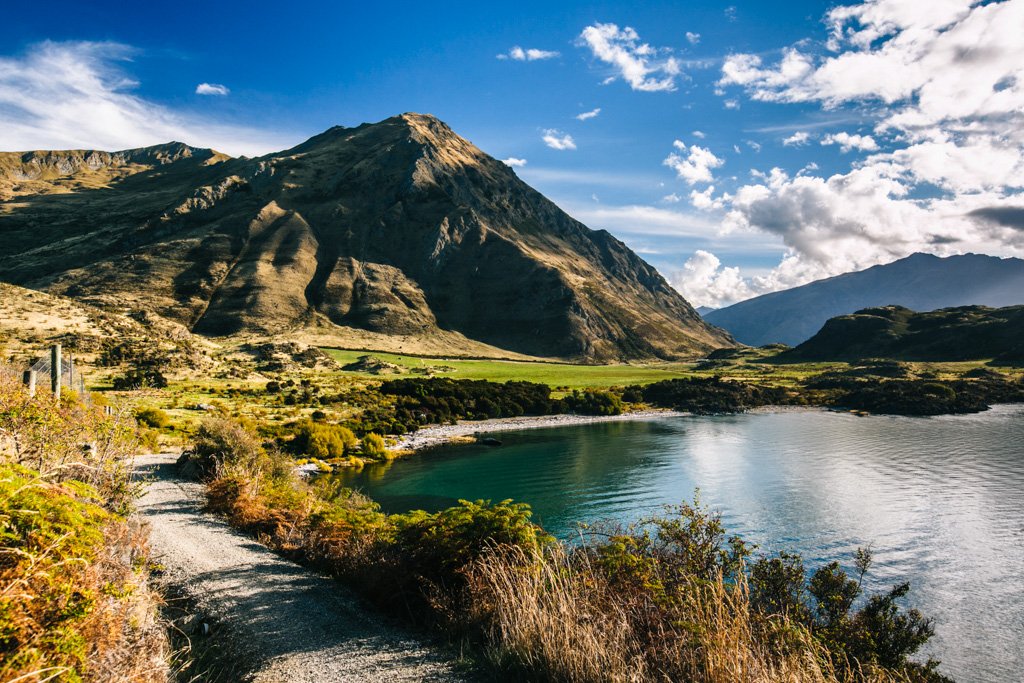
[(950, 334)]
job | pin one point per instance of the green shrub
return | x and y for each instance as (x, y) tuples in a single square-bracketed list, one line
[(153, 417), (322, 440), (373, 446)]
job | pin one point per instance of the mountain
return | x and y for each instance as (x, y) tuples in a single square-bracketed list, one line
[(704, 310), (948, 334), (400, 228), (921, 282)]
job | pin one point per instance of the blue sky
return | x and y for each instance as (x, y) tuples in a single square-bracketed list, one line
[(698, 98)]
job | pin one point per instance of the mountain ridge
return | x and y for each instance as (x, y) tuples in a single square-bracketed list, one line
[(400, 227), (921, 282)]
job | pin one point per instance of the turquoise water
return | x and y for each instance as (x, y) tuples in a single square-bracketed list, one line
[(939, 500)]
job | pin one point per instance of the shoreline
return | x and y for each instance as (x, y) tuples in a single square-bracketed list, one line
[(440, 435)]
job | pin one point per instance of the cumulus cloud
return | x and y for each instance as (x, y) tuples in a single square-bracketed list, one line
[(693, 164), (587, 115), (706, 201), (79, 95), (212, 89), (556, 139), (528, 55), (847, 142), (698, 134), (944, 82), (797, 139), (643, 67), (703, 281), (692, 38), (514, 162)]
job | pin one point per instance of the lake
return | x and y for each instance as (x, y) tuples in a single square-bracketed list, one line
[(940, 500)]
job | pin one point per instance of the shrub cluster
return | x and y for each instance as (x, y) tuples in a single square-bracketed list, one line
[(708, 395), (441, 399), (74, 598), (915, 396)]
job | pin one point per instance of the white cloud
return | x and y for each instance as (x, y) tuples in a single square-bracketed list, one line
[(556, 139), (692, 38), (528, 55), (704, 282), (704, 201), (644, 220), (78, 95), (756, 146), (672, 198), (797, 139), (592, 114), (514, 162), (212, 89), (698, 134), (696, 166), (645, 68), (944, 80), (731, 104), (847, 142)]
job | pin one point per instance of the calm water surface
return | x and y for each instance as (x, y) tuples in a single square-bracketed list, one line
[(940, 500)]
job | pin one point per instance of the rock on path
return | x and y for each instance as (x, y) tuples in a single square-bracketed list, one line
[(290, 623)]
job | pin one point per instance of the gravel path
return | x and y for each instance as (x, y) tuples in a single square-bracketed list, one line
[(290, 623)]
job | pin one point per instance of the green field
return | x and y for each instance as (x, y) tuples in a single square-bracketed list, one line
[(552, 374)]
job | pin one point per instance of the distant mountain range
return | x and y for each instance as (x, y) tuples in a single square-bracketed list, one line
[(921, 282), (400, 228), (948, 334)]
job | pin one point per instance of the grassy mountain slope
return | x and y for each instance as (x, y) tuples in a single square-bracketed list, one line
[(400, 228), (921, 282), (950, 334)]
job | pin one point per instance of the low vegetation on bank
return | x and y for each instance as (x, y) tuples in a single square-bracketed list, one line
[(75, 604), (670, 598)]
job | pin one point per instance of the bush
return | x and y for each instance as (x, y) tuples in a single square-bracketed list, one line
[(706, 395), (592, 403), (140, 378), (373, 446), (69, 584), (320, 440), (74, 599), (153, 417)]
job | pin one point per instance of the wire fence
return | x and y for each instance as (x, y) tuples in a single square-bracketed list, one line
[(71, 376)]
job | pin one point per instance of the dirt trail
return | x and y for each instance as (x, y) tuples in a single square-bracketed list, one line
[(292, 624)]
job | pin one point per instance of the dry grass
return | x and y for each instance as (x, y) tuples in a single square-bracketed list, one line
[(562, 619)]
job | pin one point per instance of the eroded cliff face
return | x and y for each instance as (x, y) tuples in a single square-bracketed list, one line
[(400, 227)]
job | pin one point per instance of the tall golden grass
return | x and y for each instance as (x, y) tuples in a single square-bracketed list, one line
[(559, 618)]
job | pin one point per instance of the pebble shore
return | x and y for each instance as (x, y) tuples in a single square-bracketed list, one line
[(439, 435)]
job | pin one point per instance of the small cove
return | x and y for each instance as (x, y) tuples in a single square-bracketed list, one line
[(940, 500)]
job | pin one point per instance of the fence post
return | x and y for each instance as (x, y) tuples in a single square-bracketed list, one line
[(55, 370), (29, 378)]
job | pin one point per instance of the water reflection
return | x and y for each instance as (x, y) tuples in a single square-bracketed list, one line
[(941, 500)]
